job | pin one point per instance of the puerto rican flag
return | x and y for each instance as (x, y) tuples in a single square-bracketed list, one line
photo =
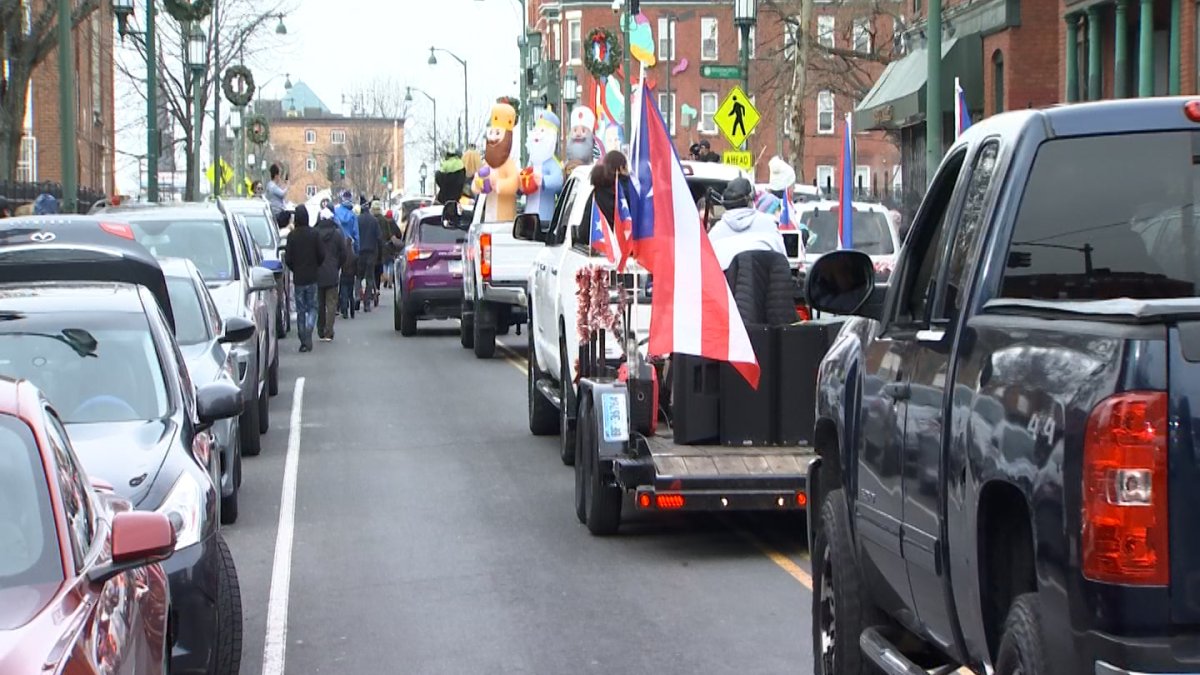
[(962, 116), (602, 237), (787, 219), (846, 187), (693, 311), (623, 227)]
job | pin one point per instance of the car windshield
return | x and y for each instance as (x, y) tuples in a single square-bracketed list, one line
[(432, 232), (205, 242), (29, 553), (260, 229), (1102, 235), (94, 367), (190, 325), (870, 231)]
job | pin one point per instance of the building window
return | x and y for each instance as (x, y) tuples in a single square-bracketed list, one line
[(310, 191), (556, 41), (535, 55), (825, 28), (708, 39), (917, 5), (825, 112), (27, 161), (998, 81), (337, 137), (825, 176), (666, 106), (666, 38), (789, 38), (862, 35), (708, 112), (862, 179), (96, 81), (310, 165), (310, 136), (753, 41), (575, 40)]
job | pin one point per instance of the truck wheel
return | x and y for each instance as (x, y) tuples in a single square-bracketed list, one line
[(1021, 647), (228, 657), (601, 501), (466, 329), (566, 426), (543, 418), (485, 331), (408, 320), (841, 608)]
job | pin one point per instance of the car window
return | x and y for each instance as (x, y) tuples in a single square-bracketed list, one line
[(191, 324), (95, 367), (250, 252), (1124, 224), (211, 313), (28, 538), (970, 230), (932, 229), (432, 232), (261, 229), (869, 231), (562, 210), (205, 242), (73, 487)]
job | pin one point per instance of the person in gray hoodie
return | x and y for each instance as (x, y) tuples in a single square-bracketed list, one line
[(742, 227), (337, 248)]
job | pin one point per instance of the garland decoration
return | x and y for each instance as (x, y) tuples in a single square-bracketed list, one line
[(602, 53), (238, 85), (258, 130), (182, 10)]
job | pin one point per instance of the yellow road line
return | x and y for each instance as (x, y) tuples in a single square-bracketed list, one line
[(513, 358), (787, 564)]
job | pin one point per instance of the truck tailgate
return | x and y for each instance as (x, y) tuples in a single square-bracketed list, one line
[(511, 258)]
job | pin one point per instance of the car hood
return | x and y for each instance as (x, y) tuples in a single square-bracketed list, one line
[(126, 455), (229, 299), (201, 363)]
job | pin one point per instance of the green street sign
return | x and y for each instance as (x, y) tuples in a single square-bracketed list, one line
[(717, 72)]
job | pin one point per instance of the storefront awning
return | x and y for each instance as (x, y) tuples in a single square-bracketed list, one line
[(898, 97)]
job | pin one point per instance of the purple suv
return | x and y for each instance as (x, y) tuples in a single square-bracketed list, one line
[(428, 271)]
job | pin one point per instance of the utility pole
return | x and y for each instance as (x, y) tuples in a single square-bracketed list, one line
[(627, 88), (526, 111), (68, 111), (216, 64), (933, 91), (153, 142)]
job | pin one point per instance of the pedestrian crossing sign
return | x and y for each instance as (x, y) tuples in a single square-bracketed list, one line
[(737, 117)]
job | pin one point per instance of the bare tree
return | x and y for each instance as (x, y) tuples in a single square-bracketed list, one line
[(868, 28), (368, 150), (381, 97), (27, 37)]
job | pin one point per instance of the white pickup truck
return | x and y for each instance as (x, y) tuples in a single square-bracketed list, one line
[(553, 338), (495, 281)]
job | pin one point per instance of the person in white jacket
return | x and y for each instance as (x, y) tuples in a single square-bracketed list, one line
[(742, 227)]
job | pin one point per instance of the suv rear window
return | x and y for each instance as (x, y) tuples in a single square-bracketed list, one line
[(869, 229), (432, 232), (1108, 217), (206, 243)]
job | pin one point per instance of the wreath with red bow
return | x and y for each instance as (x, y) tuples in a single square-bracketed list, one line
[(258, 130), (602, 53), (182, 10)]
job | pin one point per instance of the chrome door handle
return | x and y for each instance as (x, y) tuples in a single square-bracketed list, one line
[(897, 391)]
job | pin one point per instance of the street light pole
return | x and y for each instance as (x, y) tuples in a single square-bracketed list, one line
[(197, 55), (216, 67), (745, 15), (462, 133), (66, 105), (408, 99), (124, 9), (627, 87), (933, 91)]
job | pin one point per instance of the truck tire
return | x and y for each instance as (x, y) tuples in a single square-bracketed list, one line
[(543, 417), (601, 501), (228, 657), (1022, 649), (566, 425), (485, 331), (841, 606), (466, 329)]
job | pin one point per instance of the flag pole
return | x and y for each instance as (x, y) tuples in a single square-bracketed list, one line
[(631, 344)]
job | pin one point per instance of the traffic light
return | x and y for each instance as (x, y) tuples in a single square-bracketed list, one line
[(342, 169), (384, 179)]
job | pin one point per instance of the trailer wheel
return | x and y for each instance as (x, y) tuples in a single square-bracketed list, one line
[(841, 608), (1021, 648), (601, 502)]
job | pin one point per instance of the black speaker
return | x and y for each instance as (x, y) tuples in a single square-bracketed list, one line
[(801, 348), (695, 399), (748, 415)]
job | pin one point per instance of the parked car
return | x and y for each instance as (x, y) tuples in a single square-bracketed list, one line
[(256, 215), (872, 232), (429, 270), (1008, 460), (204, 342), (88, 320), (81, 589), (217, 246)]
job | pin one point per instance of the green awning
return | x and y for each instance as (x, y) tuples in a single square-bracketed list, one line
[(898, 97)]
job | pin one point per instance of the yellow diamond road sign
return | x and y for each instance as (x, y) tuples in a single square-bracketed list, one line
[(742, 160), (737, 117)]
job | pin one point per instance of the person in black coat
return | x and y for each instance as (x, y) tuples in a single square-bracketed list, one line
[(370, 245), (305, 256), (329, 276)]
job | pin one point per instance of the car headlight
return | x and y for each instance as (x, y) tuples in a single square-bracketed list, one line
[(184, 507)]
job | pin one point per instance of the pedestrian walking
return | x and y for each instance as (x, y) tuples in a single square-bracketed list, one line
[(346, 281), (393, 241), (45, 205), (370, 245), (329, 276), (346, 218), (304, 257), (276, 190)]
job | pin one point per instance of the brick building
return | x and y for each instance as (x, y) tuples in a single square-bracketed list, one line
[(313, 144), (41, 147), (703, 33)]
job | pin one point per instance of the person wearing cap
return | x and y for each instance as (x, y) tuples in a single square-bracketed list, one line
[(305, 255), (337, 248), (742, 227), (45, 205)]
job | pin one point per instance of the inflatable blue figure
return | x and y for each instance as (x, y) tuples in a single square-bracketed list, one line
[(542, 180)]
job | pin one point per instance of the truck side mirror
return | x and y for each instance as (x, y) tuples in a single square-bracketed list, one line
[(527, 227), (843, 282)]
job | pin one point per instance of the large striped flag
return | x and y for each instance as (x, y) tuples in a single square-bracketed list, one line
[(602, 237), (787, 219), (692, 311), (962, 116), (623, 228), (846, 187)]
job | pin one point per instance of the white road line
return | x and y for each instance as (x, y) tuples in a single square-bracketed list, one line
[(275, 649)]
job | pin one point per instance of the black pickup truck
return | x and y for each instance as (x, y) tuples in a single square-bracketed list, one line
[(1008, 433)]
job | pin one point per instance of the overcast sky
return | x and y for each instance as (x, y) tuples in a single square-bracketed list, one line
[(333, 44)]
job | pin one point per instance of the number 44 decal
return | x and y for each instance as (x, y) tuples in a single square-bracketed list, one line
[(1041, 424)]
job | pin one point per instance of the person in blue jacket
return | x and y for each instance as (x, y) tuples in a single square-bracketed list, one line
[(344, 215)]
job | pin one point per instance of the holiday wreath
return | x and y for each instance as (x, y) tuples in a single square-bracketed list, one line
[(238, 85), (258, 130), (182, 10), (603, 53)]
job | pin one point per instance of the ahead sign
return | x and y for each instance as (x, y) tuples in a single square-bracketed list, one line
[(742, 160)]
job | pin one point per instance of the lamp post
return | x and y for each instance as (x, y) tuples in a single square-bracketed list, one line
[(239, 148), (462, 132), (570, 96), (423, 173), (124, 9), (745, 15), (197, 52), (408, 98), (933, 90), (66, 105)]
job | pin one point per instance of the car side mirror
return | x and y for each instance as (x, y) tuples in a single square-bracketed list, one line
[(237, 329), (527, 227), (218, 401), (261, 279), (843, 282), (139, 538)]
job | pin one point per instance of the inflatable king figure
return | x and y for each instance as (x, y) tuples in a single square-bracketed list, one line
[(543, 178), (499, 174), (582, 141)]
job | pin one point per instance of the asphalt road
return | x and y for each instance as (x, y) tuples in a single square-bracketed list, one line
[(431, 533)]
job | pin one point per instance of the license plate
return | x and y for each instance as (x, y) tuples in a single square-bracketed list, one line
[(456, 268), (616, 420)]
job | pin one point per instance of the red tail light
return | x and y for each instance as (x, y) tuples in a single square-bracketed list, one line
[(119, 229), (1125, 537), (644, 500), (415, 253), (668, 502), (485, 255)]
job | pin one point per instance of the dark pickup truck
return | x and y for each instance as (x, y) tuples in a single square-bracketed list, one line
[(1008, 433)]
